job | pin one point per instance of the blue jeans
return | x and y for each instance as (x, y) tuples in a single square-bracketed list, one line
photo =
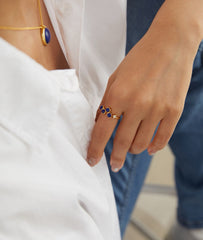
[(186, 142)]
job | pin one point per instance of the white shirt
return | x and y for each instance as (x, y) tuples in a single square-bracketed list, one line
[(47, 189)]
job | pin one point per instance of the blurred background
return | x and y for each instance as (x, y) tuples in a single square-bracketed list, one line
[(155, 210)]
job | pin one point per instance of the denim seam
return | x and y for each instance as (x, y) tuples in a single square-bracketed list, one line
[(189, 223)]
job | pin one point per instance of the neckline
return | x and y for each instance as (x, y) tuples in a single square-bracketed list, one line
[(54, 23)]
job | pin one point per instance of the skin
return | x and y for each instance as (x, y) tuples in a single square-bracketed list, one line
[(149, 87), (25, 13)]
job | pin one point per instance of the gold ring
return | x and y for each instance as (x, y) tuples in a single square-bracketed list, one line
[(108, 112)]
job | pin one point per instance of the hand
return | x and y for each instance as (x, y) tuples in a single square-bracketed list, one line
[(148, 88)]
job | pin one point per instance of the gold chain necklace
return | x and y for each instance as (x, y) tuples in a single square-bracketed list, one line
[(44, 31)]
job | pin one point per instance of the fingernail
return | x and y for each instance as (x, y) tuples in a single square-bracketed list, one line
[(91, 161), (115, 167), (152, 152)]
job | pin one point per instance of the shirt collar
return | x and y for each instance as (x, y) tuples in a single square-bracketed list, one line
[(29, 95)]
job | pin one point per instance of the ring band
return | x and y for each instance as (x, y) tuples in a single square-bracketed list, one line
[(108, 112)]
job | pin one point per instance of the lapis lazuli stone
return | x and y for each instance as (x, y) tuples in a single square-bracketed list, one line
[(103, 111), (109, 115), (108, 109), (47, 35), (101, 107)]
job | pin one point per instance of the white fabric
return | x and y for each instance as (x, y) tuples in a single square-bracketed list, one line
[(94, 36), (47, 190)]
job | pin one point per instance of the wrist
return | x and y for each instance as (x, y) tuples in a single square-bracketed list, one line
[(182, 20)]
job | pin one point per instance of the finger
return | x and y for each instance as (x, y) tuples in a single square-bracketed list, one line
[(144, 134), (98, 112), (101, 133), (163, 134), (123, 139), (111, 80)]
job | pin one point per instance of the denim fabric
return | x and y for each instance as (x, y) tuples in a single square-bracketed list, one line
[(187, 145), (186, 142)]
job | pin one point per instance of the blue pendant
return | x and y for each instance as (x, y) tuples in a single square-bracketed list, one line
[(45, 35)]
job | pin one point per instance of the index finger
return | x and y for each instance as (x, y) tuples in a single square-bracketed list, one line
[(101, 133)]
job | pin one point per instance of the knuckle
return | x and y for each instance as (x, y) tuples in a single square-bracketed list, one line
[(173, 108), (116, 158), (161, 141), (111, 79), (121, 143), (139, 146), (145, 100), (135, 150), (119, 93), (159, 106), (142, 102), (132, 149)]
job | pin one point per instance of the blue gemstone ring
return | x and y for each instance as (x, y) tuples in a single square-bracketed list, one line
[(108, 112), (45, 35)]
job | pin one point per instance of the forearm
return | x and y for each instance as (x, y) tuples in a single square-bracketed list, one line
[(184, 19)]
